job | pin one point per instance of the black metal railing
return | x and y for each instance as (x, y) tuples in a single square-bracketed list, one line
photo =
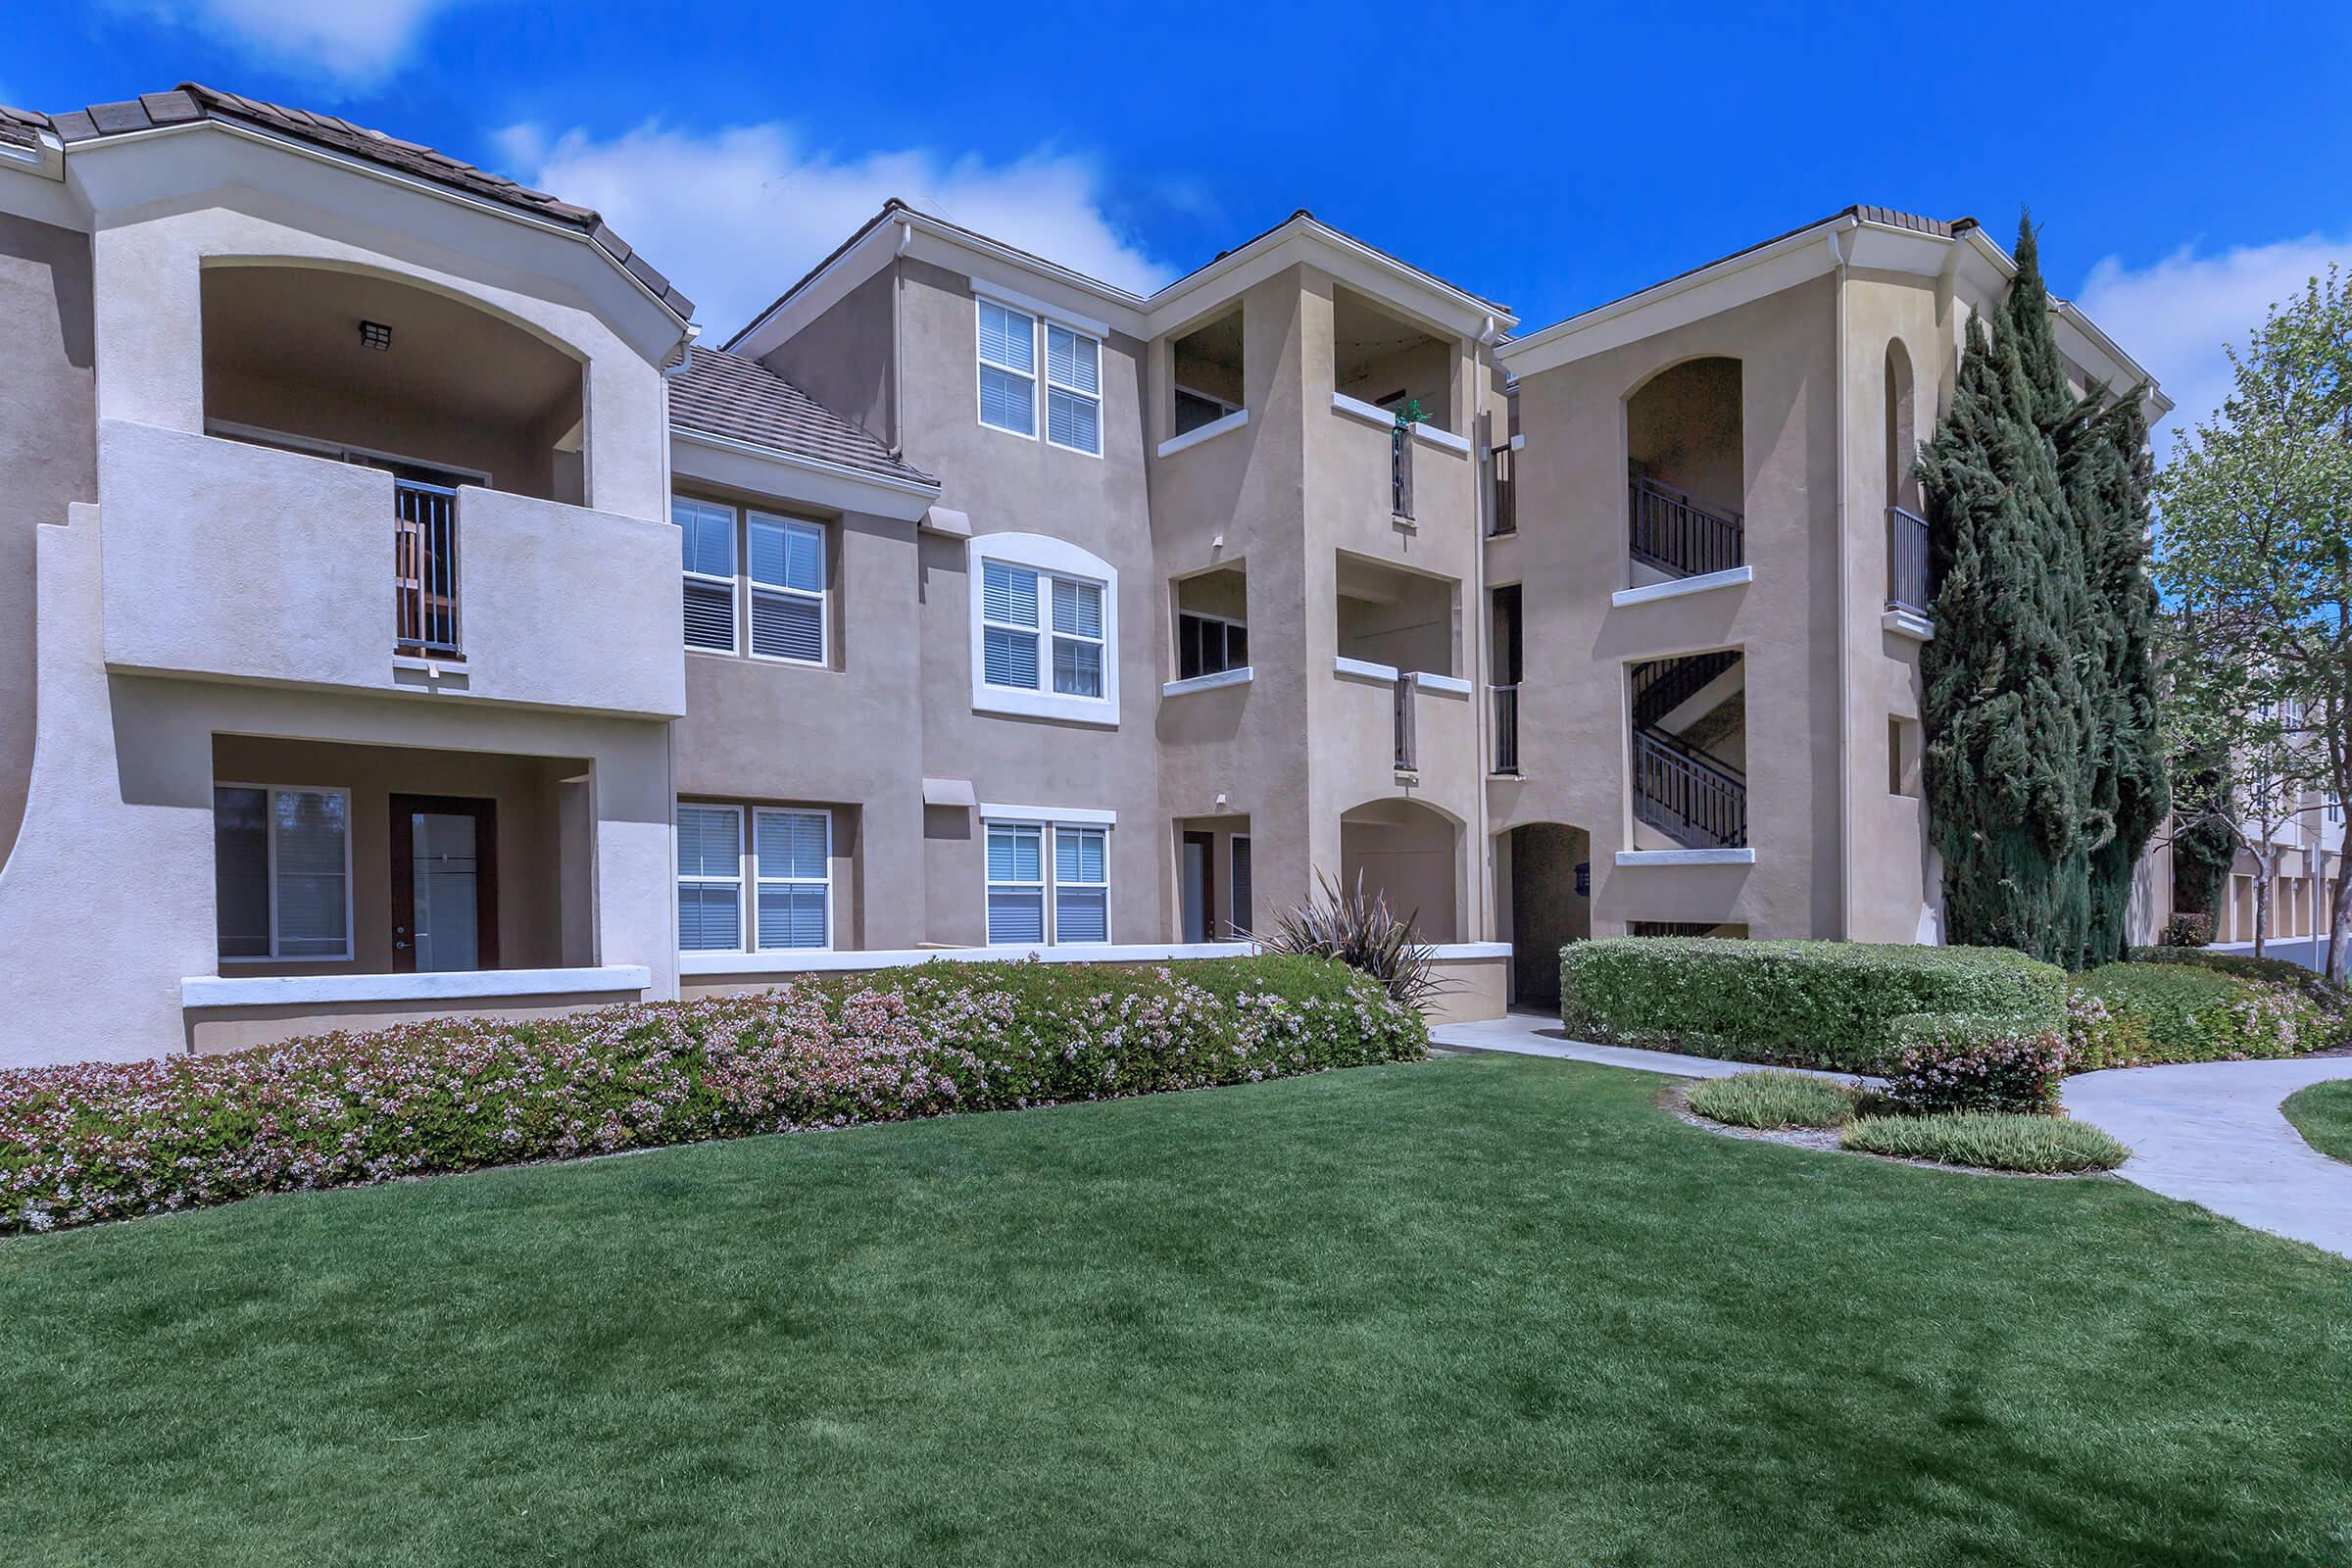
[(425, 568), (1405, 722), (1400, 469), (1662, 685), (1695, 798), (1675, 533), (1506, 492), (1506, 729), (1906, 561)]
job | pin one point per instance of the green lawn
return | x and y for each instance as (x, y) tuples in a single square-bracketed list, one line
[(2323, 1114), (1479, 1311)]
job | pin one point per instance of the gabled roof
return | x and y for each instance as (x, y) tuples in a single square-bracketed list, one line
[(739, 399), (191, 101)]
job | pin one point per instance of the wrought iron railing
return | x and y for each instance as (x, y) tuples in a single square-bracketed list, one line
[(1506, 492), (1675, 533), (1405, 722), (425, 568), (1506, 729), (1906, 561), (1662, 685), (1688, 794)]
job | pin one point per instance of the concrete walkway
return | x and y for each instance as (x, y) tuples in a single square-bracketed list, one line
[(1536, 1034), (2207, 1133), (2210, 1133)]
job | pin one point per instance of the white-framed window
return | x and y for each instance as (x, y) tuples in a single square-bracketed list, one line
[(1209, 645), (785, 562), (1008, 368), (1073, 390), (1049, 882), (1196, 407), (706, 538), (1045, 629), (787, 864), (281, 871)]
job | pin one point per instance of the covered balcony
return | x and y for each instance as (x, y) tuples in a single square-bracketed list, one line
[(1395, 376), (1685, 477)]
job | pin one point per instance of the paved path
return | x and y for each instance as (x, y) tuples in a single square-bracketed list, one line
[(2210, 1133), (1536, 1034)]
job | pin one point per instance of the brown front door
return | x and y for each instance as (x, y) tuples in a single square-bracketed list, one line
[(444, 883)]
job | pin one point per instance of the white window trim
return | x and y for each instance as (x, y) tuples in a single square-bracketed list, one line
[(1049, 557), (746, 879), (1048, 386), (1035, 374), (752, 878), (1048, 821), (1189, 684), (752, 589), (270, 791), (733, 584)]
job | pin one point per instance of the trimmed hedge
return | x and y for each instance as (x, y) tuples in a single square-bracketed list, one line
[(1973, 1061), (106, 1140), (1804, 1004), (2166, 1012), (2246, 967)]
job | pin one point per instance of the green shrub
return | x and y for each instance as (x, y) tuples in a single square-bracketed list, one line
[(1804, 1004), (2323, 1114), (108, 1140), (2182, 930), (1986, 1141), (1976, 1062), (2194, 1012), (2099, 1036), (1772, 1100), (2246, 967)]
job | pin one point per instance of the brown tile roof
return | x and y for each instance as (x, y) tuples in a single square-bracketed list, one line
[(734, 396), (191, 101)]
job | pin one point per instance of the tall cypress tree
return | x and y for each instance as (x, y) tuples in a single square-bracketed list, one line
[(2046, 777)]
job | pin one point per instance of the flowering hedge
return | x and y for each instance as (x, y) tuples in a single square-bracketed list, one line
[(1946, 1063), (2175, 1011), (106, 1141)]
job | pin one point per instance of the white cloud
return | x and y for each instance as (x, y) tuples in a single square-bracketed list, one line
[(2175, 315), (352, 44), (735, 216)]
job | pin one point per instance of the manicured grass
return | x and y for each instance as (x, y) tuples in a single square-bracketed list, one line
[(1772, 1100), (2323, 1114), (2041, 1146), (1475, 1312)]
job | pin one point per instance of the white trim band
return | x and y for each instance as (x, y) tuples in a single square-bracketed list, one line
[(1650, 593), (1451, 685), (1207, 683), (464, 985), (1903, 623), (1073, 815), (1630, 857), (809, 961), (1206, 432), (1363, 669)]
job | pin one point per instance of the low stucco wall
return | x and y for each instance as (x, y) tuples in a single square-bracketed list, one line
[(1475, 989), (211, 1031)]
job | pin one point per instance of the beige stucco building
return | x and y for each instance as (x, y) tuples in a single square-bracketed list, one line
[(960, 604)]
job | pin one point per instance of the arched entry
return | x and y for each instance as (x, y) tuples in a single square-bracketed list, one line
[(1544, 874), (1409, 853)]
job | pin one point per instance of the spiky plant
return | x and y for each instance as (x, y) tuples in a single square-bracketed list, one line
[(1359, 929)]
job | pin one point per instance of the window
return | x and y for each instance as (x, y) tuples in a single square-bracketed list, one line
[(1073, 390), (1196, 409), (281, 871), (1239, 883), (788, 865), (1008, 370), (1081, 884), (1208, 645), (1016, 883), (706, 534), (1024, 908), (1044, 629), (787, 570), (1010, 599)]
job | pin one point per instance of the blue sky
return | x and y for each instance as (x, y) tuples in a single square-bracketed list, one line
[(2184, 170)]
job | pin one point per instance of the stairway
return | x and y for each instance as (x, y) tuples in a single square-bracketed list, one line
[(1693, 797)]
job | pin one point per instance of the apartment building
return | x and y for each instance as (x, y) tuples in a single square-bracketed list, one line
[(959, 604)]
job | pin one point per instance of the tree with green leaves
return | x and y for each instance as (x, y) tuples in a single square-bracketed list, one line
[(2255, 554)]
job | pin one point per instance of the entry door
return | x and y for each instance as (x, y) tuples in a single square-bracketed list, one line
[(444, 883), (1199, 881)]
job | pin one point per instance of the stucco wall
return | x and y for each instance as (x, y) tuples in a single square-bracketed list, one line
[(48, 455), (845, 357)]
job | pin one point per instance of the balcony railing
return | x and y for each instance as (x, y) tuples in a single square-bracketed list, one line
[(1675, 533), (425, 568), (1906, 562), (1696, 798), (1405, 750), (1400, 469), (1506, 729), (1505, 520)]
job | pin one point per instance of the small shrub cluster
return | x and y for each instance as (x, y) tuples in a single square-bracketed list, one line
[(1772, 1101), (2246, 967), (1948, 1062), (106, 1140), (1803, 1004), (2164, 1011), (2046, 1146), (2186, 931)]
